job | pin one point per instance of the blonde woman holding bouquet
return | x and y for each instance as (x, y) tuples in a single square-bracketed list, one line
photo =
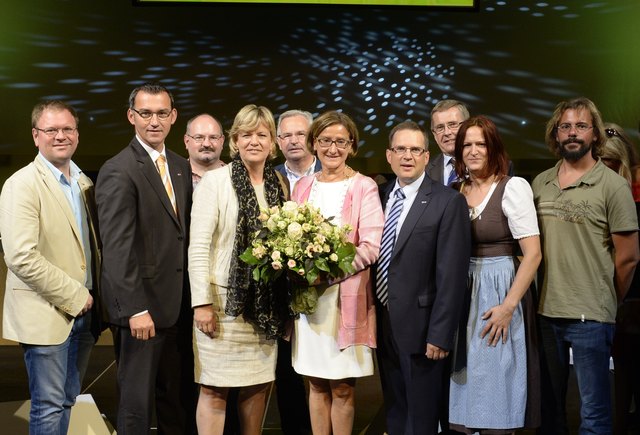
[(236, 319), (333, 346)]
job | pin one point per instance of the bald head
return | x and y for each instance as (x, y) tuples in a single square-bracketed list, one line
[(204, 140)]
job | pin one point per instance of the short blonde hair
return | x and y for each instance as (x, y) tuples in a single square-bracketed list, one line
[(249, 118)]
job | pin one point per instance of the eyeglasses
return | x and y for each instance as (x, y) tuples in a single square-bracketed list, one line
[(147, 114), (580, 127), (51, 132), (288, 136), (453, 126), (325, 142), (415, 151), (199, 139)]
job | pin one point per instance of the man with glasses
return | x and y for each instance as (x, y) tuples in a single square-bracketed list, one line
[(420, 283), (589, 229), (292, 129), (203, 140), (446, 117), (144, 206), (47, 217)]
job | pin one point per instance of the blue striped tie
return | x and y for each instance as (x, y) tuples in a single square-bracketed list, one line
[(386, 247), (452, 175)]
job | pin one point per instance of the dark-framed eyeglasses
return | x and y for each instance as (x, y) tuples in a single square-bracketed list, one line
[(148, 114), (199, 138), (52, 132), (581, 127), (415, 151), (325, 142), (452, 126)]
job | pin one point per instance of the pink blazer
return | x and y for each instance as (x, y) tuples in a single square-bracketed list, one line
[(362, 210)]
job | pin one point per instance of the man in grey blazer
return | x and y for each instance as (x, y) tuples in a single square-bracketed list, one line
[(47, 217), (144, 206), (446, 117)]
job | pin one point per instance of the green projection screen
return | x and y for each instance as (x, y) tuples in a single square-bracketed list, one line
[(439, 3)]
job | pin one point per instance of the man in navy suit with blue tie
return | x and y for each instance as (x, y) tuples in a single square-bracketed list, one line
[(420, 284), (446, 117)]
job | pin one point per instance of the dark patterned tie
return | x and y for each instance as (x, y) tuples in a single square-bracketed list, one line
[(386, 247)]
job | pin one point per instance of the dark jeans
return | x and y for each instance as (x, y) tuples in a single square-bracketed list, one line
[(590, 343)]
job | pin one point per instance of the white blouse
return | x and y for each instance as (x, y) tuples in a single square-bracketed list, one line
[(517, 206)]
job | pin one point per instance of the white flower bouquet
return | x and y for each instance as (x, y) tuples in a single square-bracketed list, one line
[(298, 240)]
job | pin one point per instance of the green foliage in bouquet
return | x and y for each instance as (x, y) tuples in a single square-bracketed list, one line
[(298, 240)]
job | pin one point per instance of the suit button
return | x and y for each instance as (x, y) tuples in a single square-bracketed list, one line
[(83, 267), (179, 270), (180, 238)]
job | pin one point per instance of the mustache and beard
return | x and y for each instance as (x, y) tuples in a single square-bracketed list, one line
[(573, 155), (209, 156)]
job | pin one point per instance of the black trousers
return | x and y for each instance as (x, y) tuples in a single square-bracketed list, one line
[(156, 374)]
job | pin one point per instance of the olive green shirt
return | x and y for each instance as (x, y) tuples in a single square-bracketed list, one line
[(576, 224)]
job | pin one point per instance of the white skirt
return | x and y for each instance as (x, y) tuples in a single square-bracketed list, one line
[(315, 350)]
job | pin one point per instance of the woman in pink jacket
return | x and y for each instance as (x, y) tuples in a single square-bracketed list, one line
[(333, 346)]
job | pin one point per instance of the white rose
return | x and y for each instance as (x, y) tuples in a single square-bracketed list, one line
[(290, 206), (272, 224), (294, 230)]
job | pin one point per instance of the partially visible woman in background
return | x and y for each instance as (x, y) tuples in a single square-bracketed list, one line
[(495, 391), (619, 153), (236, 321), (333, 346)]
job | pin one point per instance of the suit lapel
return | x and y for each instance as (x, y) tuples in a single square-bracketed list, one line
[(385, 191), (88, 198), (54, 188), (418, 207), (150, 172)]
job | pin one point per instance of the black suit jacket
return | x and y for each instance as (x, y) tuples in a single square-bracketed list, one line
[(428, 268), (435, 168), (144, 241)]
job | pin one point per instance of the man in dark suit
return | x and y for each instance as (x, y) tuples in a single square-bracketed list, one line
[(446, 117), (293, 127), (420, 285), (144, 205)]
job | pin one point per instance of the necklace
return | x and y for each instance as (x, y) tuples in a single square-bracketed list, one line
[(347, 172)]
